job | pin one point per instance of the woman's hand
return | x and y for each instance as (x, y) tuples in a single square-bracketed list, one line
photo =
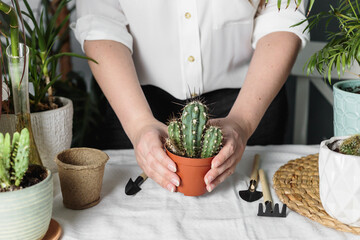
[(151, 157), (224, 163)]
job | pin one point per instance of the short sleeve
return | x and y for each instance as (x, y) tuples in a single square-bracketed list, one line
[(269, 19), (101, 20)]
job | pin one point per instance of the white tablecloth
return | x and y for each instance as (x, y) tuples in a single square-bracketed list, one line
[(155, 213)]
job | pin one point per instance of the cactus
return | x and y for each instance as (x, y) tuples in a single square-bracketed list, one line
[(193, 119), (351, 146), (14, 158), (212, 142), (188, 140)]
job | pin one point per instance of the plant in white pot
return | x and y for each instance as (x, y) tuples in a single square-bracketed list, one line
[(26, 191), (339, 167), (51, 116)]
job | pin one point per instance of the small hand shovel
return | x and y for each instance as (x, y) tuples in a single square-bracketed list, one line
[(251, 194), (269, 211), (132, 187)]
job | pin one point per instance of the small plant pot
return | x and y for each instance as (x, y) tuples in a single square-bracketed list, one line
[(81, 173), (26, 213), (191, 172), (339, 182)]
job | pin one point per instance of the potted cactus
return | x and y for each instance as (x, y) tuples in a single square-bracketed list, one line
[(25, 190), (192, 144), (339, 166)]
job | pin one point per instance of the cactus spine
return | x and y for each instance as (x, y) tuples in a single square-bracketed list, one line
[(351, 146), (188, 138), (14, 158)]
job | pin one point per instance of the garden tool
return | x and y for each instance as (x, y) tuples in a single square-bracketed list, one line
[(132, 187), (269, 211), (251, 194)]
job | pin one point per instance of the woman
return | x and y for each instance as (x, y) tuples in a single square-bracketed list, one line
[(180, 49)]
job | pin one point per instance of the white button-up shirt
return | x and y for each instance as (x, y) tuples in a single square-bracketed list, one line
[(187, 46)]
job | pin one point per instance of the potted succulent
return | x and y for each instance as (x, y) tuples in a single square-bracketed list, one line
[(339, 166), (51, 116), (340, 53), (192, 144), (26, 191)]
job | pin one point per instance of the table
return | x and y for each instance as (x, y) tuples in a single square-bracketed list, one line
[(155, 213)]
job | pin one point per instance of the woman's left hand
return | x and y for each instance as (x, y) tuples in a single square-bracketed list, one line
[(224, 163)]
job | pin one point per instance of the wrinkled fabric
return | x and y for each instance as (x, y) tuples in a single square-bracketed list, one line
[(155, 213)]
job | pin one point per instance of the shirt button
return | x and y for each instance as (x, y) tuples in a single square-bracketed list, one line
[(187, 15), (191, 59)]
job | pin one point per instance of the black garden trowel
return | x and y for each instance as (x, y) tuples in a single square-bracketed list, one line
[(132, 187), (251, 194)]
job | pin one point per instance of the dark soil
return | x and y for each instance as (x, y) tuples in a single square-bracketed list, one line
[(8, 108), (351, 89), (34, 175)]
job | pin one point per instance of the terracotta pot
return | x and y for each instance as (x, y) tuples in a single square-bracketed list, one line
[(81, 172), (191, 172)]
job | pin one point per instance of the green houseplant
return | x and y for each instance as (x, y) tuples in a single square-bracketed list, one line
[(340, 53), (53, 116), (192, 144), (25, 190)]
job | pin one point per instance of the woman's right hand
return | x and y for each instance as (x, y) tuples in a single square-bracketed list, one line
[(151, 157)]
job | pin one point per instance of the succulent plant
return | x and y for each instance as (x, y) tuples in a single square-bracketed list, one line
[(351, 145), (14, 158), (191, 136)]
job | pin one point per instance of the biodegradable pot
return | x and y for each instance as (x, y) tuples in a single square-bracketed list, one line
[(191, 172), (26, 213), (52, 130), (346, 108), (339, 182), (81, 172)]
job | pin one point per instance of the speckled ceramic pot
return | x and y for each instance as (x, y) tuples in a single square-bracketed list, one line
[(339, 183), (346, 108), (26, 214)]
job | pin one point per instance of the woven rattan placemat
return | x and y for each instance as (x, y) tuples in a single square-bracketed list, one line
[(297, 184)]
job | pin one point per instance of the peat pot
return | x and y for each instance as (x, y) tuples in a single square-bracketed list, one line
[(339, 182), (52, 130), (191, 172), (26, 213)]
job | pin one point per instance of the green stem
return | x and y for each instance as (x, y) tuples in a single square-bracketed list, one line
[(14, 27)]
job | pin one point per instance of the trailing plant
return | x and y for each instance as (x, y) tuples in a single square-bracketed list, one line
[(191, 135), (351, 146), (343, 48), (14, 158)]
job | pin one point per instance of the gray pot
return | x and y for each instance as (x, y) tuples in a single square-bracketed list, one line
[(52, 131), (346, 109), (26, 213)]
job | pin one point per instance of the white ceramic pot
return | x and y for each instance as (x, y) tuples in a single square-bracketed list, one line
[(26, 213), (339, 183), (52, 131)]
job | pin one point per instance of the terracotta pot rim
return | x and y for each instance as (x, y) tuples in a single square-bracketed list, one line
[(196, 162), (68, 166), (29, 189)]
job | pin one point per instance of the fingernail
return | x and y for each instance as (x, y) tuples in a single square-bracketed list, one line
[(175, 181), (209, 188), (213, 165), (171, 187), (172, 168), (209, 180)]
